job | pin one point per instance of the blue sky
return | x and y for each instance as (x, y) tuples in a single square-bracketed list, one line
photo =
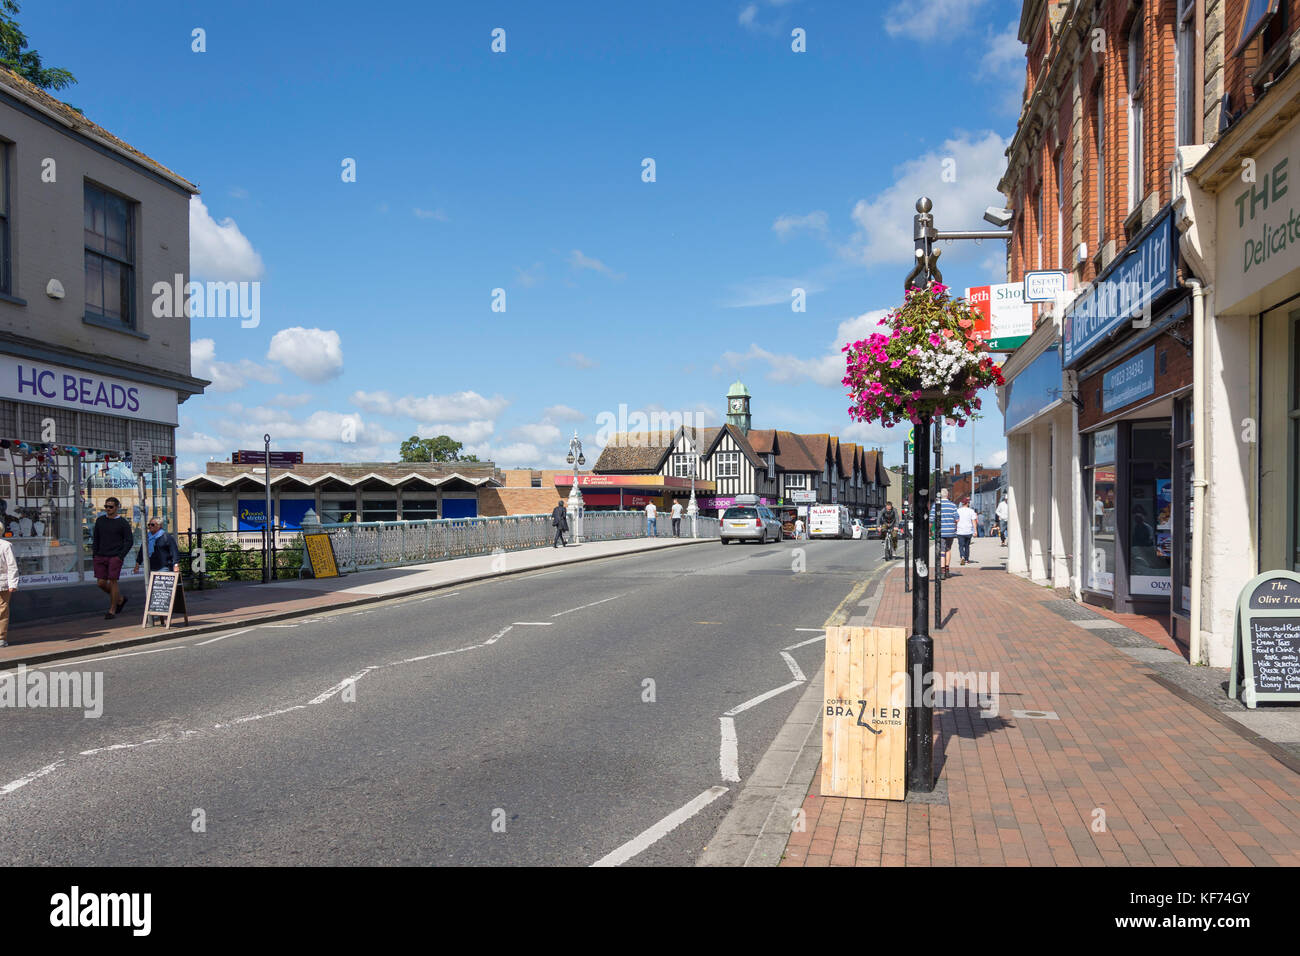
[(522, 171)]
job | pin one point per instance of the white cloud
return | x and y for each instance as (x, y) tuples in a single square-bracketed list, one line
[(226, 376), (997, 459), (312, 354), (1003, 64), (291, 401), (815, 222), (197, 443), (930, 20), (563, 413), (825, 370), (454, 407), (769, 290), (247, 423), (884, 222), (871, 434), (218, 250), (578, 360), (516, 455), (531, 276), (748, 15), (467, 432), (437, 214), (580, 261), (538, 433)]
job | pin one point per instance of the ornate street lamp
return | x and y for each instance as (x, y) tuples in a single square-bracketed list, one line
[(692, 509), (576, 459)]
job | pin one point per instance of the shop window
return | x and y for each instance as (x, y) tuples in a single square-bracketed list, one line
[(379, 509), (1101, 492), (1150, 510), (110, 257), (1183, 505), (419, 509), (338, 509)]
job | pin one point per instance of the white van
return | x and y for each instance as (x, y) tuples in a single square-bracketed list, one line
[(829, 521)]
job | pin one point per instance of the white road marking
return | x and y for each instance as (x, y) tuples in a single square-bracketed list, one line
[(585, 606), (661, 829), (156, 650), (815, 630), (340, 685), (274, 713), (811, 640), (224, 636), (794, 667), (545, 573), (533, 623), (24, 781), (728, 751), (755, 701), (435, 597), (152, 740), (499, 634), (279, 625), (425, 657)]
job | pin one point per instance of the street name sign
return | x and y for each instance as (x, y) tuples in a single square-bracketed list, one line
[(864, 715), (1266, 643)]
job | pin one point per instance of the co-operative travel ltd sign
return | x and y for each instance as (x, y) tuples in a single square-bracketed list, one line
[(1138, 277), (41, 383)]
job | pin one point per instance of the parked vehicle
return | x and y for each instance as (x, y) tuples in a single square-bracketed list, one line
[(829, 521), (749, 523)]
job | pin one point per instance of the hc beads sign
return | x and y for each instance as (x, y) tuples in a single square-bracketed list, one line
[(1139, 276), (43, 384)]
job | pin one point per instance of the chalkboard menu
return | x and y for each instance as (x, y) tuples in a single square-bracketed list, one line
[(1266, 645), (164, 597)]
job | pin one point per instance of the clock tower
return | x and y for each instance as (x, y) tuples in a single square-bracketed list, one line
[(738, 407)]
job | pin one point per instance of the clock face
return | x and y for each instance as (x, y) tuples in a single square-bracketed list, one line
[(737, 404)]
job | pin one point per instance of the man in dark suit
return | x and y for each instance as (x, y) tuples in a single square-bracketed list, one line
[(560, 518)]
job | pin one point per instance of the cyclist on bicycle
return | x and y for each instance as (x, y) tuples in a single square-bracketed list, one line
[(889, 528)]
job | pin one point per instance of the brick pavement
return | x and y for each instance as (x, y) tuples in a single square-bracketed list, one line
[(1177, 787)]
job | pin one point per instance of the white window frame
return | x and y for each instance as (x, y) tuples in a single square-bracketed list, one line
[(682, 465), (727, 464), (1038, 215), (1099, 160), (1060, 209), (796, 480), (1185, 74), (1134, 66)]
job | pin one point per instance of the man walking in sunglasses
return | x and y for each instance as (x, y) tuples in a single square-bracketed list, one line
[(111, 542)]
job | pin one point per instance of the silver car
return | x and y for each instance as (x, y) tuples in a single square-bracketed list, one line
[(749, 523)]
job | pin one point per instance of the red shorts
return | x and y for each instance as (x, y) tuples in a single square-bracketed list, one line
[(107, 568)]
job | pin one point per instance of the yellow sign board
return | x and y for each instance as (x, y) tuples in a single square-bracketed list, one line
[(320, 554), (864, 715)]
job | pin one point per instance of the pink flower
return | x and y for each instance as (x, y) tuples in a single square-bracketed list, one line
[(935, 340), (916, 396)]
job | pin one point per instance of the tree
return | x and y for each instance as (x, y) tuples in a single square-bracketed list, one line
[(442, 448), (15, 56)]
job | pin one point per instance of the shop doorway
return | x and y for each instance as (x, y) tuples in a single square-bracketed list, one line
[(1150, 513)]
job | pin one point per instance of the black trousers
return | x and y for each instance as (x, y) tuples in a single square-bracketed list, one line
[(677, 527), (559, 537)]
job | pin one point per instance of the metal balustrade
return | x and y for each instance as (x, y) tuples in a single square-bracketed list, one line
[(364, 546)]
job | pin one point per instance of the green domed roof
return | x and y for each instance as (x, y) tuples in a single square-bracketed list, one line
[(738, 390)]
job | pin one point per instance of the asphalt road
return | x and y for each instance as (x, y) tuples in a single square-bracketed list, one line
[(509, 722)]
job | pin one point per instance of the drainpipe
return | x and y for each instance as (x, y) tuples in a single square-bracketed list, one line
[(1198, 462)]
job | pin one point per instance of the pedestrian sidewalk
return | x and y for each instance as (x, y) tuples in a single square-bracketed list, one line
[(239, 603), (1106, 750)]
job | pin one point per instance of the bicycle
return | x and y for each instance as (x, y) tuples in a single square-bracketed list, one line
[(891, 542)]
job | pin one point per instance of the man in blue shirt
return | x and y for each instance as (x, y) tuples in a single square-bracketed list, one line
[(947, 529)]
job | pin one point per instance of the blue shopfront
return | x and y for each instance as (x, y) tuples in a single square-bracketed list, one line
[(1128, 339)]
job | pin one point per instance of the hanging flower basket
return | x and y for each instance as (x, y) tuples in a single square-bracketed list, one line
[(930, 362)]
